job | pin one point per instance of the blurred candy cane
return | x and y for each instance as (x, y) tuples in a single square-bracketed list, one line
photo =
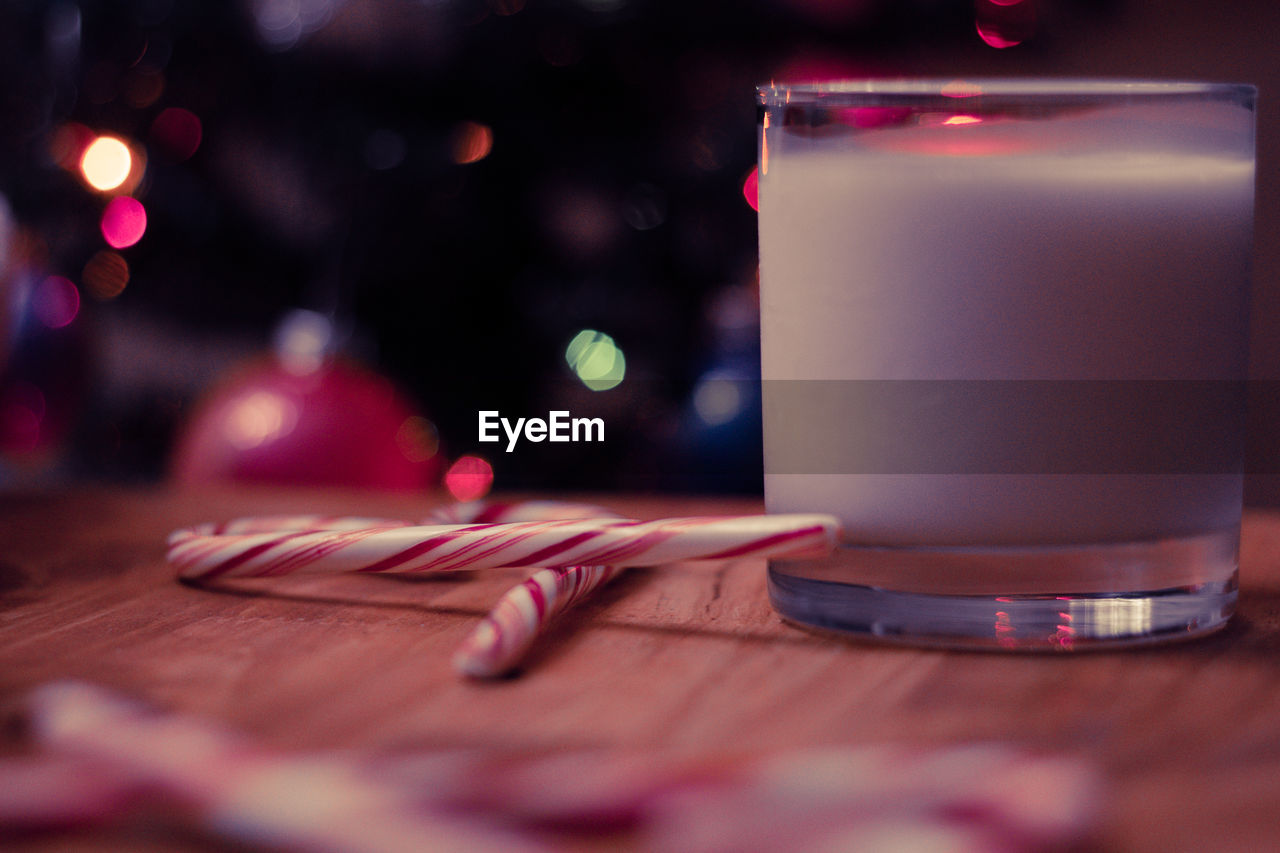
[(245, 792), (99, 754)]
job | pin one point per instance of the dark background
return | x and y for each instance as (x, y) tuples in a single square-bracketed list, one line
[(331, 176)]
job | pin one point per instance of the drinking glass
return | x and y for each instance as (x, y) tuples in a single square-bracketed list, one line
[(1004, 340)]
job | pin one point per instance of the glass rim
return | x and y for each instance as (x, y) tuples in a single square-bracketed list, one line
[(1030, 88)]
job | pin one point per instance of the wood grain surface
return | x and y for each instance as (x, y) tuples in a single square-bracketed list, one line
[(686, 658)]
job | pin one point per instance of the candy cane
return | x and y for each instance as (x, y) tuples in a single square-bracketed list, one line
[(243, 791), (501, 640), (98, 755), (201, 555)]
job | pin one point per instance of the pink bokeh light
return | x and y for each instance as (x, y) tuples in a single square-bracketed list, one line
[(751, 188), (1005, 23), (123, 222), (177, 132), (994, 37), (55, 302), (469, 479)]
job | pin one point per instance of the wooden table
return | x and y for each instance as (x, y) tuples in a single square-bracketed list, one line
[(685, 657)]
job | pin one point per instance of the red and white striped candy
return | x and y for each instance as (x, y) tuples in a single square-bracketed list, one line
[(243, 791), (287, 524), (99, 755), (443, 548), (482, 512), (473, 512), (499, 642)]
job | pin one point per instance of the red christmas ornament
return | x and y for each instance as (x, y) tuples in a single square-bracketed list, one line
[(334, 425)]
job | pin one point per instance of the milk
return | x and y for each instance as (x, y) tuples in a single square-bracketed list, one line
[(1098, 245)]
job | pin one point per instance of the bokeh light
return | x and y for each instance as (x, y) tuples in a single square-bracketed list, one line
[(418, 439), (281, 24), (105, 275), (751, 188), (123, 222), (55, 302), (341, 425), (68, 144), (143, 86), (177, 133), (596, 360), (869, 117), (469, 479), (472, 142), (259, 417), (106, 163), (810, 65), (961, 89), (1005, 23), (960, 120), (582, 220), (22, 410), (993, 36), (645, 207), (302, 341), (717, 400), (385, 149)]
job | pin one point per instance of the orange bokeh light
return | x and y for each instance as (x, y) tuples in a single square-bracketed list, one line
[(106, 274), (418, 439), (68, 143), (472, 142), (961, 89)]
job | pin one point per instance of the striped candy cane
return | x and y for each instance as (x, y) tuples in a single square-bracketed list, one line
[(456, 547), (478, 535)]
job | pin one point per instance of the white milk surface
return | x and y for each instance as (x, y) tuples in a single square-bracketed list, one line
[(1104, 245)]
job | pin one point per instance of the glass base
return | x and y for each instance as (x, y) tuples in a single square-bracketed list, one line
[(1180, 588)]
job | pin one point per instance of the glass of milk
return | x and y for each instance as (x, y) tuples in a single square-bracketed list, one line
[(1004, 340)]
